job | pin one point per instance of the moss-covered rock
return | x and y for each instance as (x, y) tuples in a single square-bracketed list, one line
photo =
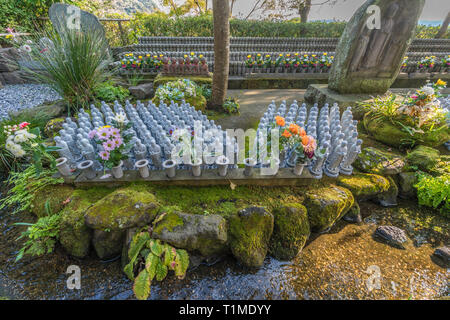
[(406, 182), (392, 134), (372, 160), (202, 234), (424, 158), (290, 231), (364, 186), (326, 205), (249, 233), (74, 235), (198, 102), (108, 244), (53, 126), (200, 80), (56, 195), (122, 209)]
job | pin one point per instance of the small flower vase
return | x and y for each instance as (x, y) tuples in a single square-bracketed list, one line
[(298, 169), (222, 163), (170, 168), (117, 171), (196, 166), (63, 167), (86, 167), (142, 166), (249, 164)]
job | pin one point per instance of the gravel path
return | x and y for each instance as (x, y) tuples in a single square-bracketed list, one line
[(23, 96)]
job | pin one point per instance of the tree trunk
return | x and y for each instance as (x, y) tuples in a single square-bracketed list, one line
[(221, 16), (444, 27), (304, 11)]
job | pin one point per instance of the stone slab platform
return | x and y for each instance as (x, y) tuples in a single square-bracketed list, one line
[(284, 177)]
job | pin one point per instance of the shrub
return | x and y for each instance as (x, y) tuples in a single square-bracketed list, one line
[(108, 92), (231, 106), (72, 63), (434, 192)]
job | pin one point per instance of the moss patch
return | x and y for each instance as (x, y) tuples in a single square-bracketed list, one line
[(53, 126), (124, 208), (75, 236), (290, 232), (199, 102), (169, 221), (326, 205), (364, 186), (54, 194), (424, 158), (372, 160), (200, 80)]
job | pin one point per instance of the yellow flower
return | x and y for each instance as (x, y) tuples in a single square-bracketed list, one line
[(140, 57), (288, 55), (200, 56), (332, 57), (155, 57), (313, 55), (281, 54), (305, 55), (9, 36), (296, 54), (267, 55), (148, 54), (325, 53), (192, 53), (185, 55), (131, 54), (105, 127), (441, 83), (259, 54), (161, 55), (249, 56)]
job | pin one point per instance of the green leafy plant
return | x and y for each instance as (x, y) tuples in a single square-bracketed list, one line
[(434, 192), (108, 92), (383, 107), (150, 259), (231, 105), (25, 184), (72, 63), (41, 236)]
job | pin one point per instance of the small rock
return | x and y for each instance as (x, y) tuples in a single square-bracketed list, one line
[(142, 91), (392, 236), (364, 186), (354, 214), (443, 253), (389, 197), (108, 244), (406, 182), (249, 233)]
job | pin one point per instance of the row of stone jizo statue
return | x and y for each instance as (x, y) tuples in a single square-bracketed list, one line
[(275, 40), (178, 137)]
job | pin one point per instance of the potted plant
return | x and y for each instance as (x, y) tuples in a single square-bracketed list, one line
[(114, 142)]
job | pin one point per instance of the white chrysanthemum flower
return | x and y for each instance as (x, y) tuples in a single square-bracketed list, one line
[(18, 153), (120, 118), (19, 138), (428, 91)]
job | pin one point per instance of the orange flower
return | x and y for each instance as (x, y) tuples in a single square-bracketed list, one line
[(305, 140), (286, 134), (295, 129), (280, 121), (301, 132)]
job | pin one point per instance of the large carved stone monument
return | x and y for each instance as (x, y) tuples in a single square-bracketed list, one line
[(64, 16), (368, 58)]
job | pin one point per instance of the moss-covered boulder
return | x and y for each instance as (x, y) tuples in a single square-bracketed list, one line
[(122, 209), (56, 195), (198, 102), (392, 134), (326, 205), (75, 236), (424, 158), (406, 182), (206, 235), (372, 160), (364, 186), (108, 244), (53, 126), (290, 231), (249, 234)]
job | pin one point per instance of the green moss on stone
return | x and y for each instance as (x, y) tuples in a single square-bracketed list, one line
[(199, 102), (200, 80), (169, 221), (53, 126), (372, 160), (249, 235), (326, 205), (75, 236), (363, 185), (290, 232), (124, 208), (54, 194), (424, 158)]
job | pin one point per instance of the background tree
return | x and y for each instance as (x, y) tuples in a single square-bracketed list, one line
[(444, 27), (221, 17)]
